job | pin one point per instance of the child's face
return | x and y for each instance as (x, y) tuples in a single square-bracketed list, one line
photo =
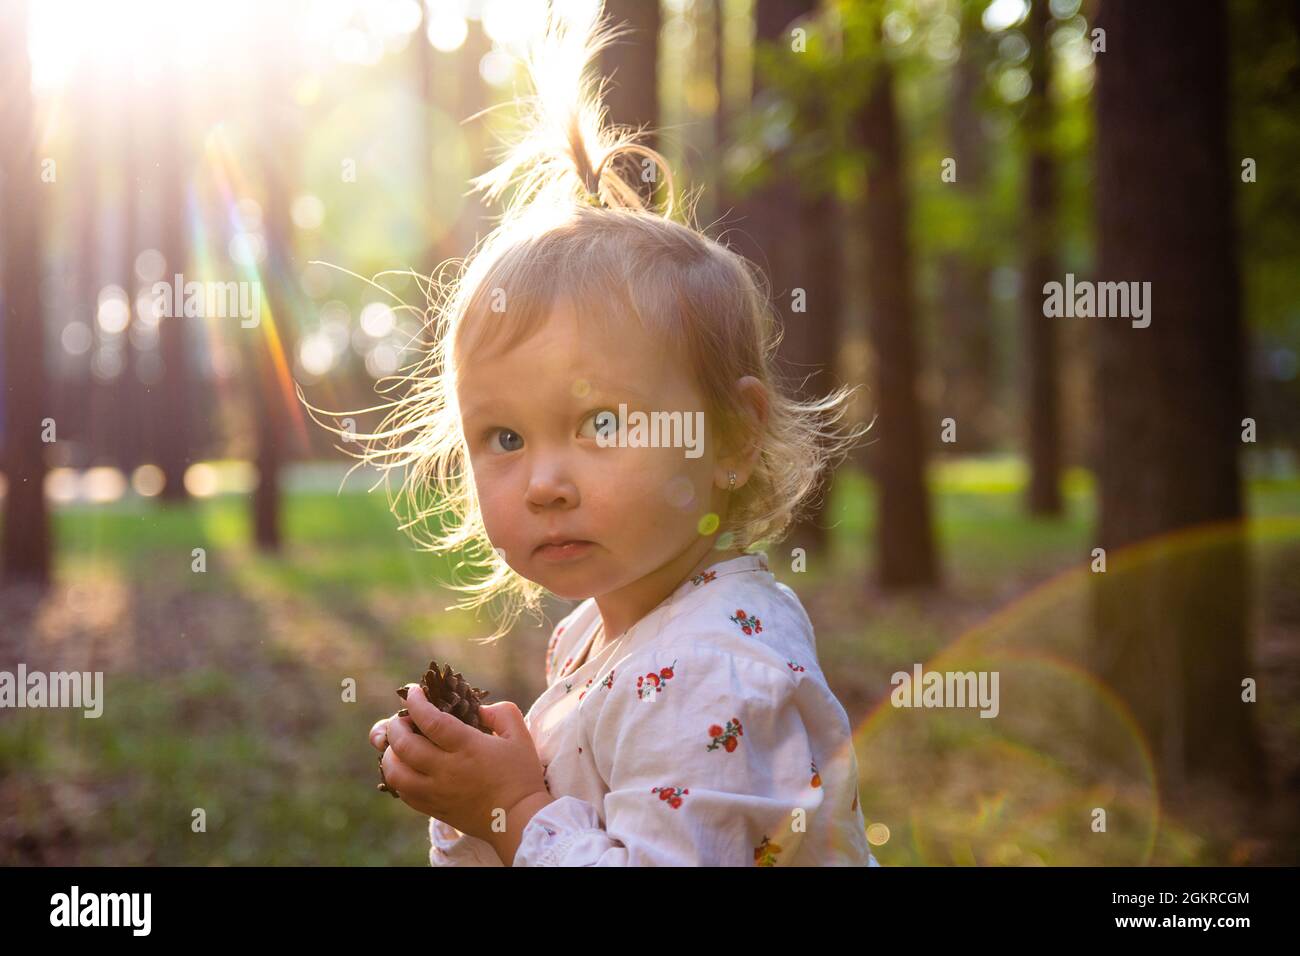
[(530, 417)]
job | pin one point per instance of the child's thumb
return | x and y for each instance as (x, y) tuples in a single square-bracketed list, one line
[(504, 718)]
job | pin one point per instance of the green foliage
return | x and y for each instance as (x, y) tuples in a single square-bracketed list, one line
[(1265, 106), (811, 85), (229, 699)]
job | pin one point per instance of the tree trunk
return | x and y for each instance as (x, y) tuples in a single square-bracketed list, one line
[(905, 538), (173, 397), (127, 452), (778, 230), (26, 540), (276, 425), (764, 232), (1170, 623), (423, 61), (966, 347), (811, 343), (1042, 361), (717, 201), (79, 393), (631, 64), (471, 97)]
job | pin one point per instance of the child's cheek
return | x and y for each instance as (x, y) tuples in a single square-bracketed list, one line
[(674, 490), (493, 500)]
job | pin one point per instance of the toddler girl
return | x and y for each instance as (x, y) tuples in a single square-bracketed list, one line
[(686, 720)]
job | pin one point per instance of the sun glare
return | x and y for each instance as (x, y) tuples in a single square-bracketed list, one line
[(150, 39), (143, 38)]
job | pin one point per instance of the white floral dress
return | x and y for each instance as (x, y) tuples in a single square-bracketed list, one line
[(705, 735)]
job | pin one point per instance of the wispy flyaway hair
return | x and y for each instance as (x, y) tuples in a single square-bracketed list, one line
[(577, 230)]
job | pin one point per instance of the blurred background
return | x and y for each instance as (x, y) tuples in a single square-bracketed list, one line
[(1106, 514)]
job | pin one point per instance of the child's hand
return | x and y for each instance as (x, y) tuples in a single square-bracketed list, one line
[(379, 734), (460, 775)]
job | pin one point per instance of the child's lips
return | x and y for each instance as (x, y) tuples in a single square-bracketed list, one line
[(565, 551)]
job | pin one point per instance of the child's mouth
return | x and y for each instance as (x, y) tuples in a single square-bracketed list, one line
[(566, 551)]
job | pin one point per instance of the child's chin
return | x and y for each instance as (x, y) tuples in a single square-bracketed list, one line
[(567, 591), (570, 585)]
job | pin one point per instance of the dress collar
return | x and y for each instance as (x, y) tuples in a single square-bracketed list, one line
[(755, 562)]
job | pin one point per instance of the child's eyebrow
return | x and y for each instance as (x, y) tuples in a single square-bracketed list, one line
[(608, 389), (605, 390)]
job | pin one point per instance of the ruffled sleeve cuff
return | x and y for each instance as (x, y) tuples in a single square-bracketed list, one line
[(565, 832), (449, 847)]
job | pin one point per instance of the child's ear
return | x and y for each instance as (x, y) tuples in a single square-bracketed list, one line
[(756, 398), (756, 406)]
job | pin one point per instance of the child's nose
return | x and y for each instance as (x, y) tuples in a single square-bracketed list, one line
[(551, 488)]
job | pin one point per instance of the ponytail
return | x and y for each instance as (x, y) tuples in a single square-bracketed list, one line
[(565, 152)]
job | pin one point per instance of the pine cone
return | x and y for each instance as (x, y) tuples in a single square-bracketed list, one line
[(450, 693)]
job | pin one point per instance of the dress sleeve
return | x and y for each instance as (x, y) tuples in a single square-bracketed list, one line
[(449, 847), (708, 763)]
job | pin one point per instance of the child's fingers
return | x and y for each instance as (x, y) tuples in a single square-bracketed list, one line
[(397, 775), (414, 750), (446, 732), (504, 718), (379, 733)]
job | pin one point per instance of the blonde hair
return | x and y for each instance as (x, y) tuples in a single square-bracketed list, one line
[(576, 231)]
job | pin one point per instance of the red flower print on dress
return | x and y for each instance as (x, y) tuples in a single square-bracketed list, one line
[(793, 666), (704, 578), (727, 737), (550, 651), (816, 777), (670, 795), (750, 625), (652, 684), (607, 682), (765, 853)]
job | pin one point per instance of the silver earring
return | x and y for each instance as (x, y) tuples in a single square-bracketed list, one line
[(731, 481)]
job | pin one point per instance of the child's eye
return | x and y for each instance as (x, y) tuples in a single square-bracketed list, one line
[(504, 431), (604, 422)]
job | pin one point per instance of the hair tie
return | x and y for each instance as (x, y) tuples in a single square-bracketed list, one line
[(591, 193)]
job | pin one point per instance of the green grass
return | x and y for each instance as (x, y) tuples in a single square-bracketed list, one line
[(223, 688)]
